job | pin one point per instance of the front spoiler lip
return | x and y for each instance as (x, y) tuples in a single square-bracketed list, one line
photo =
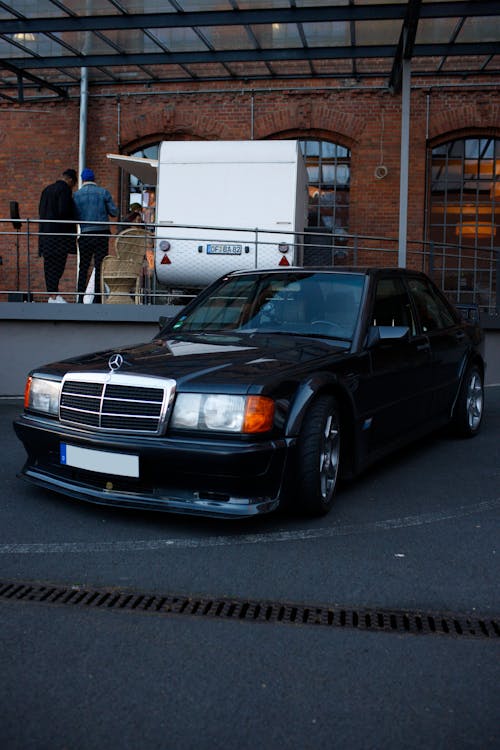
[(190, 503)]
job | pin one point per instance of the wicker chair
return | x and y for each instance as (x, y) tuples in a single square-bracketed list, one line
[(121, 274)]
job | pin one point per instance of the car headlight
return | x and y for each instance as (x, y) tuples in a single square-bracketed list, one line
[(42, 395), (224, 413)]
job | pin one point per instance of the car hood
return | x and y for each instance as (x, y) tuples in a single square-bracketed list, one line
[(232, 360)]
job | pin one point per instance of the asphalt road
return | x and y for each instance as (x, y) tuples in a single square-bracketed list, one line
[(417, 532)]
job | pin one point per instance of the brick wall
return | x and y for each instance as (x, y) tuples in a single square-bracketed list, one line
[(38, 141)]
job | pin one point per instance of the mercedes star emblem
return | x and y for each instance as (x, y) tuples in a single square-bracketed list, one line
[(115, 362)]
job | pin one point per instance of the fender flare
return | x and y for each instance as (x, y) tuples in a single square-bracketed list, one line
[(324, 382), (318, 383), (470, 358)]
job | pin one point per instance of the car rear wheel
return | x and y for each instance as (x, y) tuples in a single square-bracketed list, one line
[(318, 457), (470, 404)]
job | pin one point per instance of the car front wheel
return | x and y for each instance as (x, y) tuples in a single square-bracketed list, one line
[(318, 457), (470, 404)]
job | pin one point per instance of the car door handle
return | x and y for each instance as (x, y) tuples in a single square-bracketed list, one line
[(459, 335), (423, 347)]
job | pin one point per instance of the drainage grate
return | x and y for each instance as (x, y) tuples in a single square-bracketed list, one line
[(376, 620)]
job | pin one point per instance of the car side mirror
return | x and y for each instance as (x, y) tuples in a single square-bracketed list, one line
[(382, 334), (162, 322), (469, 313)]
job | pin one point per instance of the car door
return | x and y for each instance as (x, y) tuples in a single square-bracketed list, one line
[(397, 396), (447, 339)]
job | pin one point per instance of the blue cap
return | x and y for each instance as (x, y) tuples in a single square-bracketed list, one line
[(88, 175)]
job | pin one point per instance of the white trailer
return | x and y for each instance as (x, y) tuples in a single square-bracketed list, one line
[(225, 205)]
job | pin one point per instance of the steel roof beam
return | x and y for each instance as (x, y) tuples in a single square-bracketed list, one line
[(406, 43), (200, 18), (228, 56), (463, 8), (7, 97), (19, 71)]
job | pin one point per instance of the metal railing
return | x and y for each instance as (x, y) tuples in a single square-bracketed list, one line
[(193, 255)]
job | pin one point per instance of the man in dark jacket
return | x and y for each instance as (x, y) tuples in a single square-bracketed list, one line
[(57, 238)]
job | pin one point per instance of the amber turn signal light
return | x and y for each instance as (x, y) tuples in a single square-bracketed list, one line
[(27, 388), (259, 414)]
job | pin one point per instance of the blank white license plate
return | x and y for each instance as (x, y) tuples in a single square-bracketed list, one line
[(121, 464)]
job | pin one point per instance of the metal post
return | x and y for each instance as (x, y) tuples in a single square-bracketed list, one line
[(84, 96), (497, 296), (82, 146), (20, 88), (404, 161), (431, 259), (252, 115), (28, 259)]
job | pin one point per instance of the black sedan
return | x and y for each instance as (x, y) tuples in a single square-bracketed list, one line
[(265, 390)]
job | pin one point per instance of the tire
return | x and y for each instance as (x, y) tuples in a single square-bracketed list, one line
[(318, 457), (468, 412)]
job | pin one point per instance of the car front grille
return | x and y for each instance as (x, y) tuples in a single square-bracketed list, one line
[(116, 402)]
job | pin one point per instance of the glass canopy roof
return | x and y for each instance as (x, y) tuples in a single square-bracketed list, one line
[(45, 43)]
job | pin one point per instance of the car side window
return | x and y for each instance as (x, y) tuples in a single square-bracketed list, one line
[(392, 305), (432, 310)]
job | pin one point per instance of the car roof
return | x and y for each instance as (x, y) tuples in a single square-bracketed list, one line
[(362, 270)]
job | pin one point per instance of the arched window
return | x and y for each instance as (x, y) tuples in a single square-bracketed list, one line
[(328, 169), (329, 172), (464, 216), (140, 192)]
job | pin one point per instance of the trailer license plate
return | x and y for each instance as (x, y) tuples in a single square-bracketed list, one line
[(104, 462), (219, 249)]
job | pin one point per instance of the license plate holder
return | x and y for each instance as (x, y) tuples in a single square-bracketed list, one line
[(101, 462)]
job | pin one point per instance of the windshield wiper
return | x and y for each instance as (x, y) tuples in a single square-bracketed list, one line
[(332, 336), (303, 334)]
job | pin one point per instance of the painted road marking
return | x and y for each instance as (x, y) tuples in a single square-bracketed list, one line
[(231, 540)]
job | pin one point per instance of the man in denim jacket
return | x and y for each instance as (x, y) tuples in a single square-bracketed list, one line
[(94, 206)]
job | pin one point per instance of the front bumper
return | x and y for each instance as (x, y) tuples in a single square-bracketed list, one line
[(211, 477)]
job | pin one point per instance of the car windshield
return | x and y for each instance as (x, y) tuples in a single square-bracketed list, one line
[(308, 303)]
